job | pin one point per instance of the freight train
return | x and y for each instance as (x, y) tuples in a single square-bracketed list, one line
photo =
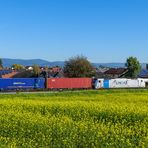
[(69, 83)]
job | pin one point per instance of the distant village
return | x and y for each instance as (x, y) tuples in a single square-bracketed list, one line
[(57, 72)]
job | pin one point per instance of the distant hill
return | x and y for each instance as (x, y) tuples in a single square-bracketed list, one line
[(8, 62), (112, 65)]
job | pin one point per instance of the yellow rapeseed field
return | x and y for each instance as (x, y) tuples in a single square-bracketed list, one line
[(101, 118)]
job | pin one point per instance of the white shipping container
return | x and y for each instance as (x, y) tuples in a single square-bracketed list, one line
[(133, 83), (124, 83)]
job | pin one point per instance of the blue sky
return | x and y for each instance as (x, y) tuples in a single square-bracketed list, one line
[(102, 30)]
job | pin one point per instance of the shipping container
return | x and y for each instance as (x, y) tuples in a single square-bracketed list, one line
[(124, 83), (21, 83), (69, 83)]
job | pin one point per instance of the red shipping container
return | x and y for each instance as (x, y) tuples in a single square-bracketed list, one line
[(69, 83)]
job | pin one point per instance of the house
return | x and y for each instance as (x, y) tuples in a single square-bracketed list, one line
[(29, 68), (100, 72), (143, 73), (56, 72), (115, 73), (55, 69), (7, 73)]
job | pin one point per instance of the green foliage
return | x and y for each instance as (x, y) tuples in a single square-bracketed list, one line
[(107, 118), (18, 67), (78, 66), (133, 66), (1, 63), (36, 70)]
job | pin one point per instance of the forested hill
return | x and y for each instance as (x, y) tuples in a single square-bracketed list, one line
[(8, 62)]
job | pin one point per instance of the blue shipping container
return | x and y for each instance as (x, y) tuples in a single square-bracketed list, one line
[(106, 83), (22, 83)]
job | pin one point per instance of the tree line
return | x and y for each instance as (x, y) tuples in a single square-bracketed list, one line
[(80, 66)]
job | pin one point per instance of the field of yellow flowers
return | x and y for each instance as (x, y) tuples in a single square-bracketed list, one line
[(102, 118)]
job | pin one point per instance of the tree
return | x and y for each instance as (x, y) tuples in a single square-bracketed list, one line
[(36, 70), (78, 66), (17, 66), (133, 66), (1, 63)]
